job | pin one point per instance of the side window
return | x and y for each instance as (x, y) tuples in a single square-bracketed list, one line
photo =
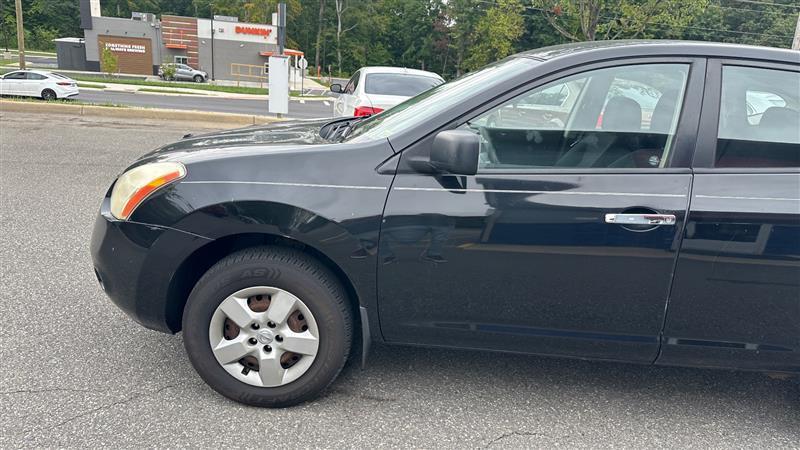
[(616, 117), (15, 76), (35, 76), (352, 84), (759, 121)]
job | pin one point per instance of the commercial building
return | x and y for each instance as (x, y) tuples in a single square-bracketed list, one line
[(222, 46)]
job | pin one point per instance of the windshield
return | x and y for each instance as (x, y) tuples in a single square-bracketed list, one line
[(421, 108), (399, 84)]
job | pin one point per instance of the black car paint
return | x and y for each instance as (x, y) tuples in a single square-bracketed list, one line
[(632, 296)]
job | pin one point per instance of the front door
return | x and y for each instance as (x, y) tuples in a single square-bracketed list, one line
[(183, 72), (345, 103), (12, 83), (566, 239)]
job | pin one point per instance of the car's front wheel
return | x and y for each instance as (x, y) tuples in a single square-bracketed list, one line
[(198, 78), (268, 326)]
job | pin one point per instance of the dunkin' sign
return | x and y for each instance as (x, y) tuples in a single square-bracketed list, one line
[(237, 31), (243, 29)]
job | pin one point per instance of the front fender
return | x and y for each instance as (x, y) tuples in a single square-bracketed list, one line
[(330, 199), (351, 245)]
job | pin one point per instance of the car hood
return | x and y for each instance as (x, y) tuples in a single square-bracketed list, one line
[(271, 137)]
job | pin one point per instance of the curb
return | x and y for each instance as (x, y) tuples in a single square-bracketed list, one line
[(134, 113)]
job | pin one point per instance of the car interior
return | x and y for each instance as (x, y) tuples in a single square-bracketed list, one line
[(759, 124), (620, 118)]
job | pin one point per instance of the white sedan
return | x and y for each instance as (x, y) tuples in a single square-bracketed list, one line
[(38, 83), (374, 89)]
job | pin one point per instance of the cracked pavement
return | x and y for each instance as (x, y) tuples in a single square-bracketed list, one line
[(76, 372)]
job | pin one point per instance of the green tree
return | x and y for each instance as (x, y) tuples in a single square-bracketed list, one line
[(108, 61), (497, 31), (749, 23), (124, 8), (589, 20), (464, 16)]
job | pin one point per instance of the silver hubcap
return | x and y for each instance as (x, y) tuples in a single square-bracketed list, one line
[(264, 336)]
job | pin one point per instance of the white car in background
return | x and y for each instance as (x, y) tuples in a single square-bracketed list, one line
[(38, 83), (374, 89)]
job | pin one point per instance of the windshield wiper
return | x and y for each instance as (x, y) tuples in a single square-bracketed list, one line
[(347, 128)]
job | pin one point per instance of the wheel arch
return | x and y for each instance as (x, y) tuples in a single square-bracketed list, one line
[(198, 262)]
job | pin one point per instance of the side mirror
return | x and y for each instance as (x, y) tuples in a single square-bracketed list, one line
[(336, 88), (456, 152)]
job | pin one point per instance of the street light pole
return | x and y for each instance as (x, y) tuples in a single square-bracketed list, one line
[(281, 27), (796, 40), (20, 36)]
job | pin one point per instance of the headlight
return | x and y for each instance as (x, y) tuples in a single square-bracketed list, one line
[(135, 185)]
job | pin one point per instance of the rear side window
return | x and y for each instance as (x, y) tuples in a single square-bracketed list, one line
[(36, 76), (759, 121), (398, 84)]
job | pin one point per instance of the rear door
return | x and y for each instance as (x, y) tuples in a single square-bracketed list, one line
[(33, 84), (566, 239), (736, 297)]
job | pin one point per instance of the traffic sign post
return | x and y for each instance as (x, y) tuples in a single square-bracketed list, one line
[(303, 63), (279, 69)]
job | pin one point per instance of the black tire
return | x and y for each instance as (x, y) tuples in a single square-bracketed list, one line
[(198, 78), (49, 95), (282, 268)]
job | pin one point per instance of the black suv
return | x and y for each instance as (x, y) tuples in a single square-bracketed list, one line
[(631, 201)]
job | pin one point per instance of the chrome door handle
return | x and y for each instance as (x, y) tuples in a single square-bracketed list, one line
[(641, 219)]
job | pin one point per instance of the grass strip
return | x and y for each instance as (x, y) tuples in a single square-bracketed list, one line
[(168, 91), (92, 85)]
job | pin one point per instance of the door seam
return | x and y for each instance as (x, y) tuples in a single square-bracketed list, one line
[(674, 270), (378, 244)]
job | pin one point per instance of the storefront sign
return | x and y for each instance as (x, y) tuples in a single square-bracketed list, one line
[(134, 55), (241, 29), (226, 18), (125, 48), (239, 32)]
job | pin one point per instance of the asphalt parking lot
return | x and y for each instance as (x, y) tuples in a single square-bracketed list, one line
[(76, 372)]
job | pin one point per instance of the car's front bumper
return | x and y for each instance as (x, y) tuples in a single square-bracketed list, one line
[(135, 264)]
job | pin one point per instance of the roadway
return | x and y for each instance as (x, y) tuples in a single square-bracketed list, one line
[(299, 109), (76, 372)]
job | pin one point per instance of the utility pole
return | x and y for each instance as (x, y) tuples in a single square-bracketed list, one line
[(281, 27), (796, 40), (20, 35)]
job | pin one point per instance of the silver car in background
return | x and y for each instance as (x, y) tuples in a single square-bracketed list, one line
[(183, 73), (374, 89)]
